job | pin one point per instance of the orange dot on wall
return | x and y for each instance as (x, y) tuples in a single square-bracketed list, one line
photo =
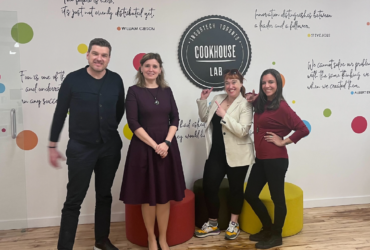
[(283, 79), (27, 140), (368, 23), (118, 28)]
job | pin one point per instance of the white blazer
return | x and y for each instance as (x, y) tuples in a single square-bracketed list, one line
[(235, 129)]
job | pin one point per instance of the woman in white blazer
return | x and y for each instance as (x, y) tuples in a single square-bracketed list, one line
[(230, 150)]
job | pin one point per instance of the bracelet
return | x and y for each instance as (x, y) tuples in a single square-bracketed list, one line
[(52, 147), (168, 143)]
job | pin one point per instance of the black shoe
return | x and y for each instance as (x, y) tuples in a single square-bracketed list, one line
[(273, 241), (105, 245), (262, 235)]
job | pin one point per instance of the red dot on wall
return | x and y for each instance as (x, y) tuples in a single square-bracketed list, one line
[(3, 130), (359, 124), (368, 23), (118, 28), (137, 59)]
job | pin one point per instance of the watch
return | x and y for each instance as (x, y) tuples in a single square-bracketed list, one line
[(168, 143)]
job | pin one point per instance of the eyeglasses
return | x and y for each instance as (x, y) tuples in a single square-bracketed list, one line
[(231, 71)]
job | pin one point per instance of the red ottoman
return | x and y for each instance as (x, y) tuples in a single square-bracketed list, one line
[(181, 224)]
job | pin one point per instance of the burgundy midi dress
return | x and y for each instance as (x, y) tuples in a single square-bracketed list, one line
[(147, 177)]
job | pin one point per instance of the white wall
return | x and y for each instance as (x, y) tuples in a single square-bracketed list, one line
[(330, 165)]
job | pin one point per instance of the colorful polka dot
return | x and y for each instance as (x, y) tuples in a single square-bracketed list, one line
[(22, 33), (2, 88), (136, 61), (283, 79), (352, 92), (273, 63), (309, 35), (368, 23), (327, 112), (293, 101), (118, 28), (359, 124), (308, 125), (127, 132), (3, 130), (27, 140), (82, 48)]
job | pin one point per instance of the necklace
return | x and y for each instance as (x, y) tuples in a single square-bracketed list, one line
[(156, 102)]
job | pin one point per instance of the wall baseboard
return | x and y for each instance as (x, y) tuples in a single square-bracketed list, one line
[(337, 201), (52, 221), (117, 217), (13, 224)]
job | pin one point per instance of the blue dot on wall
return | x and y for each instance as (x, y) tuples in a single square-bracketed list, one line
[(352, 92), (2, 88), (308, 125)]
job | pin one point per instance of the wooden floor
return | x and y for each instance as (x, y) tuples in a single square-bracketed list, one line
[(336, 228)]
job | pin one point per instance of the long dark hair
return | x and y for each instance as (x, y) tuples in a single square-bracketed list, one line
[(235, 74), (262, 98)]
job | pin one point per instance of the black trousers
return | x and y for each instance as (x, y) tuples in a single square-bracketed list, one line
[(215, 169), (271, 171), (83, 159)]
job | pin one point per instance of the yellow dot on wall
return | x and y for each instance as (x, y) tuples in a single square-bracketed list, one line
[(127, 132), (309, 35), (293, 102), (82, 48)]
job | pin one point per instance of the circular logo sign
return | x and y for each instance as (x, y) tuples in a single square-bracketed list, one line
[(209, 46)]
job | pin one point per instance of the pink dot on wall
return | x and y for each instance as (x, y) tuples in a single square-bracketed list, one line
[(3, 130), (137, 59), (359, 124)]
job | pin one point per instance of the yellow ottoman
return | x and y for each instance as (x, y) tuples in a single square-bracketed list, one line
[(250, 223)]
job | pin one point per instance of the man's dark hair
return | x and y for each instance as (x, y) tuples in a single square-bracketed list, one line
[(100, 42)]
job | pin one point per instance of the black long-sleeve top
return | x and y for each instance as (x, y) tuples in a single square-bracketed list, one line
[(96, 106)]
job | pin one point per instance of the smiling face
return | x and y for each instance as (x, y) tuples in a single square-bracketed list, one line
[(151, 69), (232, 87), (98, 58), (269, 86)]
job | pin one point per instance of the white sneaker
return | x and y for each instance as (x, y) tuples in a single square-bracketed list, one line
[(207, 230), (232, 231)]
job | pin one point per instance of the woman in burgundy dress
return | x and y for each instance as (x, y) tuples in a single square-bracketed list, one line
[(273, 120), (153, 172)]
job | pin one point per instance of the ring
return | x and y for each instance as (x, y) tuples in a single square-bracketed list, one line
[(271, 136)]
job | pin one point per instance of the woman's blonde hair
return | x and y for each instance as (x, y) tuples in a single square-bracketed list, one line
[(140, 80)]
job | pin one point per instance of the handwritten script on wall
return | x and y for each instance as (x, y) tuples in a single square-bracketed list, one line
[(287, 19), (190, 129), (337, 74), (41, 89), (103, 8)]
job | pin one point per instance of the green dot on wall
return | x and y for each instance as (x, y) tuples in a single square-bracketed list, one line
[(327, 112), (22, 33), (273, 63)]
